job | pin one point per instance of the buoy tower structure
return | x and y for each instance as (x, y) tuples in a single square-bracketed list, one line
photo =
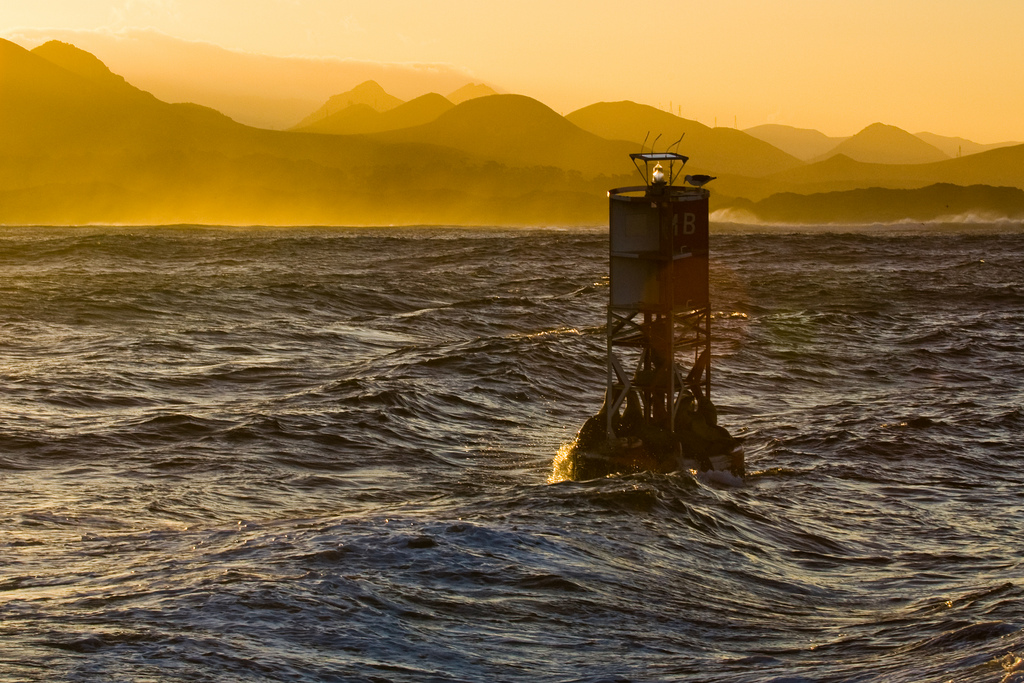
[(659, 312), (657, 413)]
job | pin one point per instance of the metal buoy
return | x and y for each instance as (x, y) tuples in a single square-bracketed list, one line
[(657, 412)]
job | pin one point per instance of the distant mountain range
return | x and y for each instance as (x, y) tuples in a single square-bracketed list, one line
[(365, 118), (878, 143), (258, 90), (515, 130), (722, 150), (955, 147), (471, 91), (882, 144), (368, 93), (803, 143), (80, 144), (367, 108)]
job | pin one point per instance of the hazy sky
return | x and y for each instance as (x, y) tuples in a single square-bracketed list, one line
[(944, 66)]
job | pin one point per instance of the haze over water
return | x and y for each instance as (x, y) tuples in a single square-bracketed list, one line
[(324, 454)]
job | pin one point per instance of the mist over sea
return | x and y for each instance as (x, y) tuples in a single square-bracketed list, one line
[(249, 454)]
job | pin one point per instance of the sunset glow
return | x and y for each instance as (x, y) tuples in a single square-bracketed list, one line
[(923, 65)]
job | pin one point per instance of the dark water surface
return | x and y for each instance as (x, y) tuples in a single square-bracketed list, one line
[(324, 455)]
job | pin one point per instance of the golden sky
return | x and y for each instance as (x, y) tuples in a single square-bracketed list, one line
[(950, 67)]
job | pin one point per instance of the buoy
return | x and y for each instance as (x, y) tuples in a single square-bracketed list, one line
[(657, 412)]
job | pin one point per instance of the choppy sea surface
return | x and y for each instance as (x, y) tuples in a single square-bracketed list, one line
[(326, 455)]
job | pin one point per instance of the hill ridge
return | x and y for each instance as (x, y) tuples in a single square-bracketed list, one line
[(518, 130), (470, 91), (362, 119), (79, 62), (886, 144), (803, 143), (368, 92), (716, 150)]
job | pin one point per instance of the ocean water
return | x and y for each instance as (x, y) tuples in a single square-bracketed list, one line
[(326, 455)]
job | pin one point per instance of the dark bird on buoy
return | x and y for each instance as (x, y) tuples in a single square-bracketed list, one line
[(699, 180)]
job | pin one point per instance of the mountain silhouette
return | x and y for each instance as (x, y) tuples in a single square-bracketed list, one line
[(803, 143), (46, 106), (956, 146), (368, 93), (255, 89), (1000, 166), (1003, 166), (716, 150), (60, 128), (882, 144), (839, 172), (361, 118), (518, 130), (83, 149), (79, 62), (470, 91), (79, 144)]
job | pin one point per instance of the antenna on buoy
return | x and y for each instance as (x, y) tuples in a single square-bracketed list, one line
[(671, 179)]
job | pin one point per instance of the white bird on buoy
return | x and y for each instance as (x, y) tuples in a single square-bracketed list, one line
[(699, 180)]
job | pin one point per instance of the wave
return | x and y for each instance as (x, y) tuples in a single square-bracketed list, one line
[(325, 454)]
